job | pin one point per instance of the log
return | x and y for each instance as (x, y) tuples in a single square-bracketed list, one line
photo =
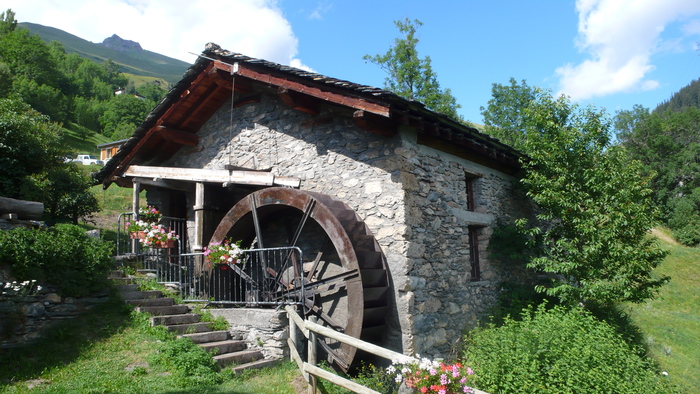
[(27, 210)]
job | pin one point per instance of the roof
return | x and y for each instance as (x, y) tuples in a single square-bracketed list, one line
[(207, 84), (111, 144)]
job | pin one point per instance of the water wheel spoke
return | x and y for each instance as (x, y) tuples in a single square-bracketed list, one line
[(333, 355), (323, 315), (331, 280), (312, 272)]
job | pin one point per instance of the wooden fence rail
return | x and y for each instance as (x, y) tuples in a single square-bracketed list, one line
[(309, 369)]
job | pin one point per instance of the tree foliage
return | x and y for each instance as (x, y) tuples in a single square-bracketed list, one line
[(668, 144), (412, 77), (595, 205)]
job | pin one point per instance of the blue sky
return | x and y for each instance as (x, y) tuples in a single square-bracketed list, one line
[(609, 53)]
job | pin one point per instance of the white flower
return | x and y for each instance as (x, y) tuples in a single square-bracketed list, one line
[(390, 370), (399, 378)]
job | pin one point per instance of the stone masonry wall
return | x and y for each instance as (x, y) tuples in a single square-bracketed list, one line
[(412, 198)]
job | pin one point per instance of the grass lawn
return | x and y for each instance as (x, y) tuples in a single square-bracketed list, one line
[(107, 350), (671, 322)]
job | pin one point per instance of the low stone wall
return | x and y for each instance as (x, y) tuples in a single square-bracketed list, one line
[(263, 329), (25, 319)]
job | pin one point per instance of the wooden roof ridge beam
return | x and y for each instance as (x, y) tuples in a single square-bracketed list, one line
[(374, 123), (298, 101), (177, 136), (345, 99)]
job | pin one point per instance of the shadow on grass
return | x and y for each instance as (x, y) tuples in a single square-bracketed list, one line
[(64, 342)]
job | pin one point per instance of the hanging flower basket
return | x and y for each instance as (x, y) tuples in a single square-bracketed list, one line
[(137, 235), (167, 244), (150, 214)]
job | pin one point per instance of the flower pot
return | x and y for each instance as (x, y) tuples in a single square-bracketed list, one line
[(168, 243), (137, 235)]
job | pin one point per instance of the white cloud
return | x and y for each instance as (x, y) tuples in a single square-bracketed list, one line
[(620, 38), (174, 28)]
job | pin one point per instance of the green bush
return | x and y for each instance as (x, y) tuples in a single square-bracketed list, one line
[(557, 351), (191, 365), (63, 255)]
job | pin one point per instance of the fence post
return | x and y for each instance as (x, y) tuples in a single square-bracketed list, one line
[(312, 356)]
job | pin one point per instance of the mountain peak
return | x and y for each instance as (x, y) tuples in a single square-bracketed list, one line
[(119, 44)]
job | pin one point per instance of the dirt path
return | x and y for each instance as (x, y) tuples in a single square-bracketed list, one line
[(665, 238)]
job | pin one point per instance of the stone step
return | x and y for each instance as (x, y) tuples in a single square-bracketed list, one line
[(255, 365), (163, 310), (138, 295), (222, 347), (205, 337), (166, 320), (116, 274), (166, 301), (242, 357), (127, 288), (189, 328)]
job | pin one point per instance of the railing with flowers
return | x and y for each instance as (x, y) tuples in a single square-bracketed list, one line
[(422, 375)]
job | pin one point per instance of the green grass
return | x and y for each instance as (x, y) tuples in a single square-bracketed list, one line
[(82, 140), (671, 322), (107, 350)]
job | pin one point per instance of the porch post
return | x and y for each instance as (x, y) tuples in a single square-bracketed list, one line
[(198, 218), (135, 210)]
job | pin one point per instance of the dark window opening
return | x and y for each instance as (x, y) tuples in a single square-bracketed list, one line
[(474, 253), (470, 181)]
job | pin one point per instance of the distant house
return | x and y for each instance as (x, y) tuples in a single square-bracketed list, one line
[(404, 198), (109, 149)]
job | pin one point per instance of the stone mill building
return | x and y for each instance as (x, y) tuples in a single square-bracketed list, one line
[(406, 195)]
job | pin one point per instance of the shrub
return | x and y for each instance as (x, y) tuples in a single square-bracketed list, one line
[(191, 365), (558, 350), (63, 255)]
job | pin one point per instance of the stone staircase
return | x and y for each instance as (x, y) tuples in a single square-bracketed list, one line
[(226, 352)]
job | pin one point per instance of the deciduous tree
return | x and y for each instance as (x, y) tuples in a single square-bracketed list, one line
[(412, 77)]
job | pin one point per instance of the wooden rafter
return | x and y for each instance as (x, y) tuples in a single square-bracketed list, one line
[(299, 102), (307, 89), (375, 124), (177, 136)]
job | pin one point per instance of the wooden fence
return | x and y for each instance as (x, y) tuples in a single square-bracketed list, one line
[(310, 330)]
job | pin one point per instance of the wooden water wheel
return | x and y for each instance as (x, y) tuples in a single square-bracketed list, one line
[(344, 272)]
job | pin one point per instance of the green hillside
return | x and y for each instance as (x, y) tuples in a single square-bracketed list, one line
[(143, 62)]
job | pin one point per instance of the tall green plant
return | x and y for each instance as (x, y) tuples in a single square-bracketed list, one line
[(595, 205)]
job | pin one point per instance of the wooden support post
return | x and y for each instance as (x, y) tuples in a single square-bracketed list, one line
[(312, 357), (293, 336), (199, 217), (135, 210)]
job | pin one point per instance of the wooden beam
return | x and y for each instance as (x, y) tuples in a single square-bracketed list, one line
[(240, 85), (177, 136), (212, 176), (245, 100), (297, 101), (347, 100), (375, 124)]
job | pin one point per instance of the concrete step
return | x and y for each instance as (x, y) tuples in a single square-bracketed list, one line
[(139, 295), (255, 365), (166, 320), (163, 310), (189, 328), (222, 347), (242, 357), (165, 301), (205, 337)]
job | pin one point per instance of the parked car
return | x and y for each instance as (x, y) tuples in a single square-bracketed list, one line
[(88, 159)]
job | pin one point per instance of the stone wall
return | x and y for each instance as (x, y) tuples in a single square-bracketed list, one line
[(25, 319), (412, 198), (264, 329)]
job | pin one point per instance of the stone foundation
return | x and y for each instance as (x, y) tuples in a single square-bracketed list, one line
[(263, 329)]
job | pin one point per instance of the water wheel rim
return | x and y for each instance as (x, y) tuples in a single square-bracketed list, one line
[(239, 219)]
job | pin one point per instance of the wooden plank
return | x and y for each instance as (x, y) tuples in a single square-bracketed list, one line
[(210, 175), (352, 341), (31, 210), (297, 320), (337, 380)]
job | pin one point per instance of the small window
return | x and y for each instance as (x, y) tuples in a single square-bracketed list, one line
[(474, 253), (470, 181)]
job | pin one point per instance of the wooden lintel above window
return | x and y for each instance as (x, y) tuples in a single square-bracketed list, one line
[(298, 101), (375, 124), (177, 136), (347, 100)]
